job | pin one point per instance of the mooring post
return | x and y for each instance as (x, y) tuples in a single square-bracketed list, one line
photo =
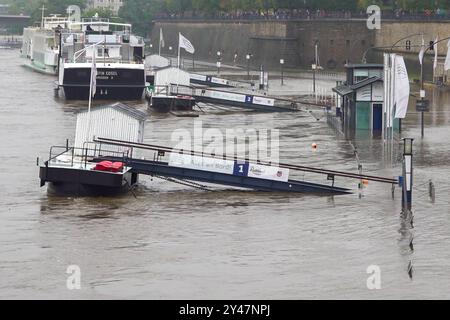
[(431, 190), (407, 173)]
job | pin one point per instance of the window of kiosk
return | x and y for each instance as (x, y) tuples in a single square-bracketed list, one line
[(360, 75)]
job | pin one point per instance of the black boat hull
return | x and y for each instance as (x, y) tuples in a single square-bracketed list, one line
[(103, 93), (112, 83)]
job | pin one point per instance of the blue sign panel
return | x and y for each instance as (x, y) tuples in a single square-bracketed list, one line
[(249, 99), (208, 78), (240, 168)]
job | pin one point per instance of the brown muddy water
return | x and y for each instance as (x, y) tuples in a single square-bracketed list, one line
[(173, 242)]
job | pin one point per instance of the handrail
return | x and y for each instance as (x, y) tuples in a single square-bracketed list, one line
[(50, 158), (85, 151), (234, 158), (80, 52)]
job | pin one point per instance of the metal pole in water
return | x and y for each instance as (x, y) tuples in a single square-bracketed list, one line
[(422, 96), (407, 173), (261, 78), (281, 64)]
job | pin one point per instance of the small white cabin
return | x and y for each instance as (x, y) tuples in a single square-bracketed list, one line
[(171, 75), (115, 121)]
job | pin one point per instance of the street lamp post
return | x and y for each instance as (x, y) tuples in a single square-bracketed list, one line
[(314, 67), (218, 61), (248, 64), (281, 64)]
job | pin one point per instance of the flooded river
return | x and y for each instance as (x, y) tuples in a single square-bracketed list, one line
[(175, 242)]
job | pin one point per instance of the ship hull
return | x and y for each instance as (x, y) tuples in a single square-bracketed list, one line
[(112, 83)]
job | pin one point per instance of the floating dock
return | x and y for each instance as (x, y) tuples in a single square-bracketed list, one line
[(235, 99)]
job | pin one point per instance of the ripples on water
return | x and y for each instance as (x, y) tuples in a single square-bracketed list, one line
[(175, 242)]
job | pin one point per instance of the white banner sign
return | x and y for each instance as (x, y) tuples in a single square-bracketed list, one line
[(266, 172), (263, 101), (225, 96), (201, 163), (219, 81), (198, 77)]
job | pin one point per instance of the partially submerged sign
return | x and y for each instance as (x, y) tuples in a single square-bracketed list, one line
[(236, 168)]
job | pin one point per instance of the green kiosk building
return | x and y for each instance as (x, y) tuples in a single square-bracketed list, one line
[(360, 99)]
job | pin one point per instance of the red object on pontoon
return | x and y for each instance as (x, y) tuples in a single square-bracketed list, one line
[(109, 166)]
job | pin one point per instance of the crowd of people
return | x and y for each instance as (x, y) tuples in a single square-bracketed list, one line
[(287, 14)]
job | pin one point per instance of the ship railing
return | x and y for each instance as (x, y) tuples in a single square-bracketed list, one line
[(65, 156), (182, 90), (161, 90), (79, 53)]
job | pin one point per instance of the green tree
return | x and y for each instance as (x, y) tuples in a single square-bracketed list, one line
[(178, 6), (60, 6), (140, 14), (205, 6), (102, 13), (29, 7)]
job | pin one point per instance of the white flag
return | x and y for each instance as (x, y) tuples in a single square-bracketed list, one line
[(186, 44), (435, 48), (161, 38), (401, 88), (94, 72), (421, 53), (447, 59)]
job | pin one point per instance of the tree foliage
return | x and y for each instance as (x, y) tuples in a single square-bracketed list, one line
[(140, 13), (102, 13)]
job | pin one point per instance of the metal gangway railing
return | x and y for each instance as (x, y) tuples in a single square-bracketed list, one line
[(71, 156), (331, 174)]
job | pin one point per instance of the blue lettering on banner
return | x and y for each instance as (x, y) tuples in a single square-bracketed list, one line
[(208, 78), (240, 168), (249, 99)]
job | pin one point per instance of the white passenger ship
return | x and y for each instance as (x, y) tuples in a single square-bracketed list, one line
[(119, 59), (40, 45)]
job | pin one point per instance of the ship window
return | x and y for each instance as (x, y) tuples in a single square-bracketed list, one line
[(50, 43)]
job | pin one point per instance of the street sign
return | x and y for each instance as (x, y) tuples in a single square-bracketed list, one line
[(422, 105)]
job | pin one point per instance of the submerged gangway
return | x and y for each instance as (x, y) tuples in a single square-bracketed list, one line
[(240, 99), (232, 171)]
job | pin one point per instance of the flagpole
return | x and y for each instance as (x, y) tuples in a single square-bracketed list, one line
[(160, 33), (90, 93), (178, 69), (179, 49)]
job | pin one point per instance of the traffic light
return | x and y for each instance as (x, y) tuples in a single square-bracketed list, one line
[(408, 45), (431, 45)]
